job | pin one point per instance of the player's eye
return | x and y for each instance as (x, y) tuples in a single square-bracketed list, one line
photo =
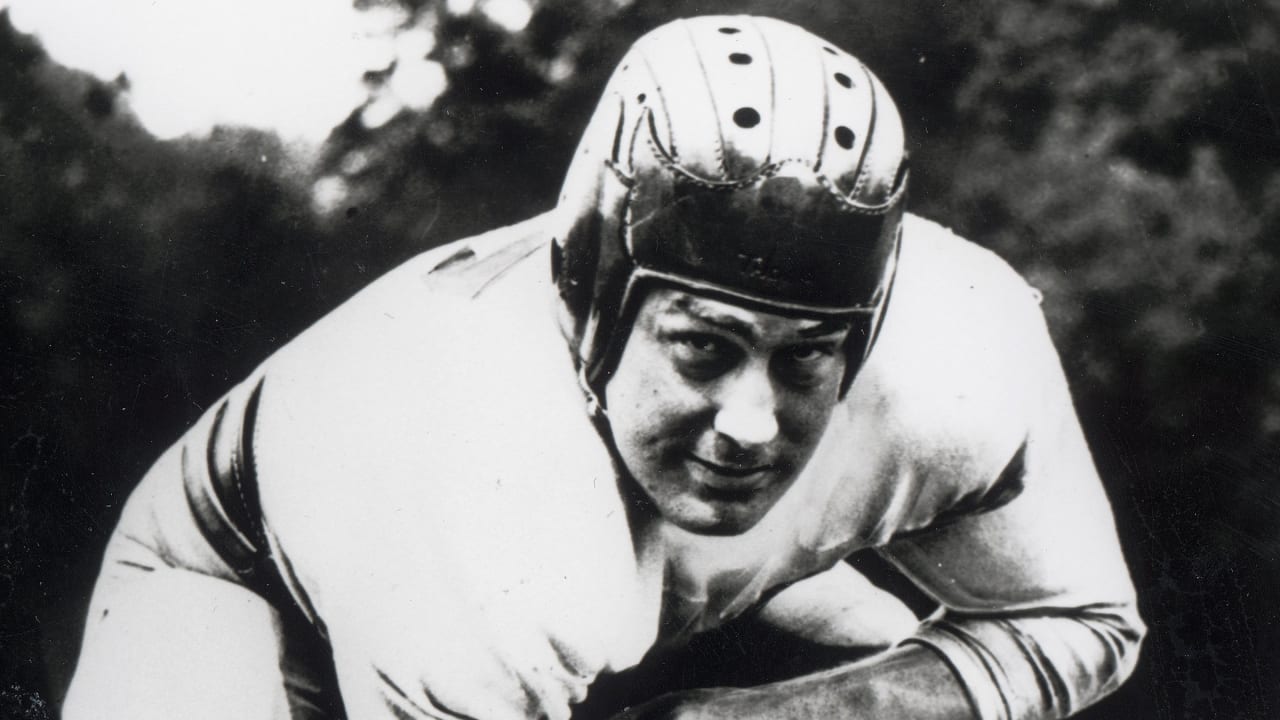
[(702, 343), (702, 355), (809, 364), (809, 354)]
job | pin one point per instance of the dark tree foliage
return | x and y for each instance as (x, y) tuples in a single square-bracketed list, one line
[(140, 279), (1124, 156)]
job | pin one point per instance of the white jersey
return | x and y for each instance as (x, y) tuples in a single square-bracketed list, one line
[(437, 501)]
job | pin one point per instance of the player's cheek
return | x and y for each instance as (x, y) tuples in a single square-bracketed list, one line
[(678, 405), (802, 419)]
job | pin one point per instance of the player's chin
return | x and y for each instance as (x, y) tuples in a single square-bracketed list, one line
[(711, 511)]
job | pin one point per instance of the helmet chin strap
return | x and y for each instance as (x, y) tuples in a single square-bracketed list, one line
[(595, 406)]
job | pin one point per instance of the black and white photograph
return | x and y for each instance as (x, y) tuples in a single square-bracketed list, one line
[(639, 360)]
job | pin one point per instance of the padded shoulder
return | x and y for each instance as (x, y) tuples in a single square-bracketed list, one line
[(439, 372), (433, 296), (960, 318), (935, 254), (953, 383)]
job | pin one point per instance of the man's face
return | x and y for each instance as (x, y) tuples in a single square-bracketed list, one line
[(715, 408)]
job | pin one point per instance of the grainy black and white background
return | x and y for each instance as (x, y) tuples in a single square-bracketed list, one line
[(185, 187)]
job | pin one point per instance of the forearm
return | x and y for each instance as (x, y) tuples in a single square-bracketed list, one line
[(1027, 667), (910, 682), (1014, 668)]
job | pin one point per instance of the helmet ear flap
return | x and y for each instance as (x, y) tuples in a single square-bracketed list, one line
[(904, 170), (857, 356), (586, 218), (899, 190)]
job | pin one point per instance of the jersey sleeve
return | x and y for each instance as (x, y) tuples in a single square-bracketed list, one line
[(1038, 616)]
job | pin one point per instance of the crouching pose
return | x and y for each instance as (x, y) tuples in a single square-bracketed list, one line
[(523, 462)]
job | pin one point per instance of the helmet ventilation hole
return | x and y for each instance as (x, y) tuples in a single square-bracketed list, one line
[(844, 137), (640, 97), (730, 30), (746, 117), (844, 80), (829, 50), (740, 59)]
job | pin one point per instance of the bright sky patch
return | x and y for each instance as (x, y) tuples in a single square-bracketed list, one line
[(293, 66)]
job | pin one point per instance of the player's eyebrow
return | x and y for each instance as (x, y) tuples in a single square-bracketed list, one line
[(699, 311), (727, 323), (829, 326), (695, 309)]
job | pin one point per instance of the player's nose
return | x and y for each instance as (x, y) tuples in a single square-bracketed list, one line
[(747, 412)]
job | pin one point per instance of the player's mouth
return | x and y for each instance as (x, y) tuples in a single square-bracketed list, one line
[(733, 478)]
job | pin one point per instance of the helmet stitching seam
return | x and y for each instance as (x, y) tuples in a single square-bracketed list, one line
[(826, 107), (622, 175), (617, 131), (711, 96), (645, 112), (766, 171), (773, 86), (864, 172), (849, 205), (685, 175), (657, 89), (628, 237), (656, 145)]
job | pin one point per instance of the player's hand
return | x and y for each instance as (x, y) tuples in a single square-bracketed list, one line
[(703, 704)]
